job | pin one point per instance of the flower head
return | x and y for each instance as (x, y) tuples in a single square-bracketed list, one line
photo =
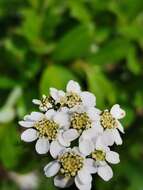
[(48, 129), (102, 155), (73, 98), (72, 116), (109, 121), (70, 166)]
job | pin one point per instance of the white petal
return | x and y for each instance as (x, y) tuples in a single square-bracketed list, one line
[(97, 128), (36, 116), (26, 123), (88, 99), (90, 164), (100, 163), (86, 146), (93, 114), (42, 145), (54, 93), (112, 157), (50, 113), (117, 112), (117, 137), (62, 141), (62, 182), (56, 149), (107, 137), (62, 119), (29, 135), (89, 133), (70, 135), (100, 145), (52, 168), (105, 172), (82, 186), (120, 127), (73, 86), (36, 101), (84, 176)]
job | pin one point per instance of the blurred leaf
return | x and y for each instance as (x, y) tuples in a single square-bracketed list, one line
[(31, 25), (130, 116), (47, 183), (138, 100), (79, 11), (132, 61), (9, 149), (98, 83), (112, 52), (6, 83), (55, 76), (75, 43)]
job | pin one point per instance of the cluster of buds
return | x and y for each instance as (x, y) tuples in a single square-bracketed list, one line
[(76, 134)]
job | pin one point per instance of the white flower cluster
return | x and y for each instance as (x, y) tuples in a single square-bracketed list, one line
[(76, 134)]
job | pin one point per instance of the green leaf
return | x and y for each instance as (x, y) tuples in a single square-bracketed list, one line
[(103, 89), (79, 10), (112, 52), (55, 76), (31, 25), (10, 149), (6, 83), (132, 61), (75, 43)]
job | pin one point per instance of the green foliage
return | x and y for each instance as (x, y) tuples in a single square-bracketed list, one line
[(45, 43)]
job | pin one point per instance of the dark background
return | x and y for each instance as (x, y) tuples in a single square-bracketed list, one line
[(45, 43)]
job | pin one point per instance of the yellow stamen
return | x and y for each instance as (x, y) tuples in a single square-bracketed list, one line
[(80, 121), (107, 120), (47, 128), (71, 163)]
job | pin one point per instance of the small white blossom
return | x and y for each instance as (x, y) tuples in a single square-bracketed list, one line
[(44, 104), (109, 121), (101, 156), (48, 129), (73, 98), (71, 166)]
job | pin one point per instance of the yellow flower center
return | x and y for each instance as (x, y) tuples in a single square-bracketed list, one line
[(98, 155), (107, 120), (80, 121), (47, 128), (46, 101), (71, 99), (71, 163)]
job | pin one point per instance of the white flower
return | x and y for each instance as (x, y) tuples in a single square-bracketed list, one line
[(89, 135), (48, 129), (74, 97), (45, 103), (71, 166), (25, 181), (101, 155), (109, 121)]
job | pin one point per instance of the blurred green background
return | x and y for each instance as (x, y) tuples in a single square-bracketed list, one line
[(45, 43)]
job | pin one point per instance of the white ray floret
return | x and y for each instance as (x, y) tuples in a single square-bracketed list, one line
[(71, 166), (47, 129), (109, 120), (100, 156), (73, 98)]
